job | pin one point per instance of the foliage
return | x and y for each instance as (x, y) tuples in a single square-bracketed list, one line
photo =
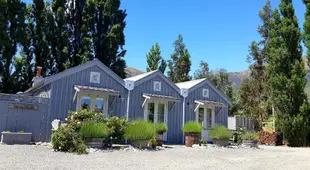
[(140, 130), (253, 90), (154, 142), (237, 138), (180, 63), (91, 129), (220, 133), (82, 115), (248, 135), (67, 139), (161, 128), (203, 141), (20, 131), (296, 128), (116, 127), (155, 60), (286, 72), (306, 36), (192, 127)]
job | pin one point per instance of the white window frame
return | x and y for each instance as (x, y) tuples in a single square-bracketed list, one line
[(159, 86), (204, 92), (94, 74), (156, 102), (93, 98)]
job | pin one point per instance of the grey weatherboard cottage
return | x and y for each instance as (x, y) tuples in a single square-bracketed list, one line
[(90, 85), (156, 98), (204, 103)]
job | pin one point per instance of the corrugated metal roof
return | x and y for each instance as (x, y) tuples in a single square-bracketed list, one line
[(140, 76), (96, 89), (161, 96), (189, 84), (211, 102)]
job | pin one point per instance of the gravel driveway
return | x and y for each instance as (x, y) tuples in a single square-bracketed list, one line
[(178, 157)]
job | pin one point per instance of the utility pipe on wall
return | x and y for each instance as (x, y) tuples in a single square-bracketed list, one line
[(183, 117), (127, 109)]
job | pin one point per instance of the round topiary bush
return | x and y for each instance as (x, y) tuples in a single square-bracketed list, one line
[(220, 133), (140, 130), (192, 127), (161, 128)]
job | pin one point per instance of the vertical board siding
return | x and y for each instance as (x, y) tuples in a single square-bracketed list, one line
[(63, 92), (136, 111), (27, 120), (221, 113)]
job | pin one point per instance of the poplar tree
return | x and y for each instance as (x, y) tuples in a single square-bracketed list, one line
[(286, 74)]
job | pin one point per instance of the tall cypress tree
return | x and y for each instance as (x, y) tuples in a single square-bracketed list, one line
[(307, 29), (155, 60), (12, 32), (180, 63), (287, 74)]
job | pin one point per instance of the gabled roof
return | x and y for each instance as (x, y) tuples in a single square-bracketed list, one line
[(189, 84), (74, 70), (141, 78), (194, 84)]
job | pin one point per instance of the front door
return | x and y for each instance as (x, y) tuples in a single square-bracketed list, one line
[(156, 112), (205, 116)]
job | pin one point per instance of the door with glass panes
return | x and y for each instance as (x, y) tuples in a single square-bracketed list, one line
[(156, 112), (205, 116)]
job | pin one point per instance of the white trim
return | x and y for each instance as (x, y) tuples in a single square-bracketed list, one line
[(145, 100), (183, 118), (127, 109), (156, 103), (145, 109)]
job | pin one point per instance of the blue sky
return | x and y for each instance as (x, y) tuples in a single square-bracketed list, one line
[(218, 32)]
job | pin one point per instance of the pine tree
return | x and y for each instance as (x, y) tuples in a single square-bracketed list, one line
[(155, 60), (12, 32), (286, 74), (180, 63), (306, 36)]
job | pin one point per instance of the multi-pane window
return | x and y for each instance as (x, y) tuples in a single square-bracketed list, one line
[(201, 116), (99, 103), (151, 112), (209, 118), (85, 102), (161, 112)]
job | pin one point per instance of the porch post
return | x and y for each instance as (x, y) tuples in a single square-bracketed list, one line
[(183, 122), (127, 109)]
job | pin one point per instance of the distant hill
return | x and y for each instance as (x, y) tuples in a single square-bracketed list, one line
[(132, 71)]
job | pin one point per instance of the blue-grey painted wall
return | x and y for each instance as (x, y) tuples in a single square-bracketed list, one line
[(136, 111), (221, 116), (62, 92)]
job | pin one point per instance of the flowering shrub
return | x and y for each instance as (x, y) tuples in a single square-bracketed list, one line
[(83, 115)]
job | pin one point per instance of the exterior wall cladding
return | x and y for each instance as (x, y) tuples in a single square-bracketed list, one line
[(136, 111), (62, 92), (221, 116)]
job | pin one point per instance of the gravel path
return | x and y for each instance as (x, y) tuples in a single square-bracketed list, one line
[(178, 157)]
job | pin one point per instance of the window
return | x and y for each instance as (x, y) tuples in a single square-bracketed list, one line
[(161, 112), (151, 112), (205, 93), (209, 119), (201, 116), (85, 102), (95, 77), (157, 86), (99, 103)]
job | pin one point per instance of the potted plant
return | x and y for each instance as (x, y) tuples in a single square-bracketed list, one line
[(94, 133), (192, 132), (19, 137), (139, 132), (161, 128), (250, 139), (220, 135)]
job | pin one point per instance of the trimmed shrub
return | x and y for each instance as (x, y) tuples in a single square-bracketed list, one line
[(161, 128), (220, 133), (66, 139), (249, 135), (91, 129), (116, 127), (192, 127), (83, 115), (140, 130)]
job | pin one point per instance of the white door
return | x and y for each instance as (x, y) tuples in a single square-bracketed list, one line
[(205, 116), (157, 111)]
